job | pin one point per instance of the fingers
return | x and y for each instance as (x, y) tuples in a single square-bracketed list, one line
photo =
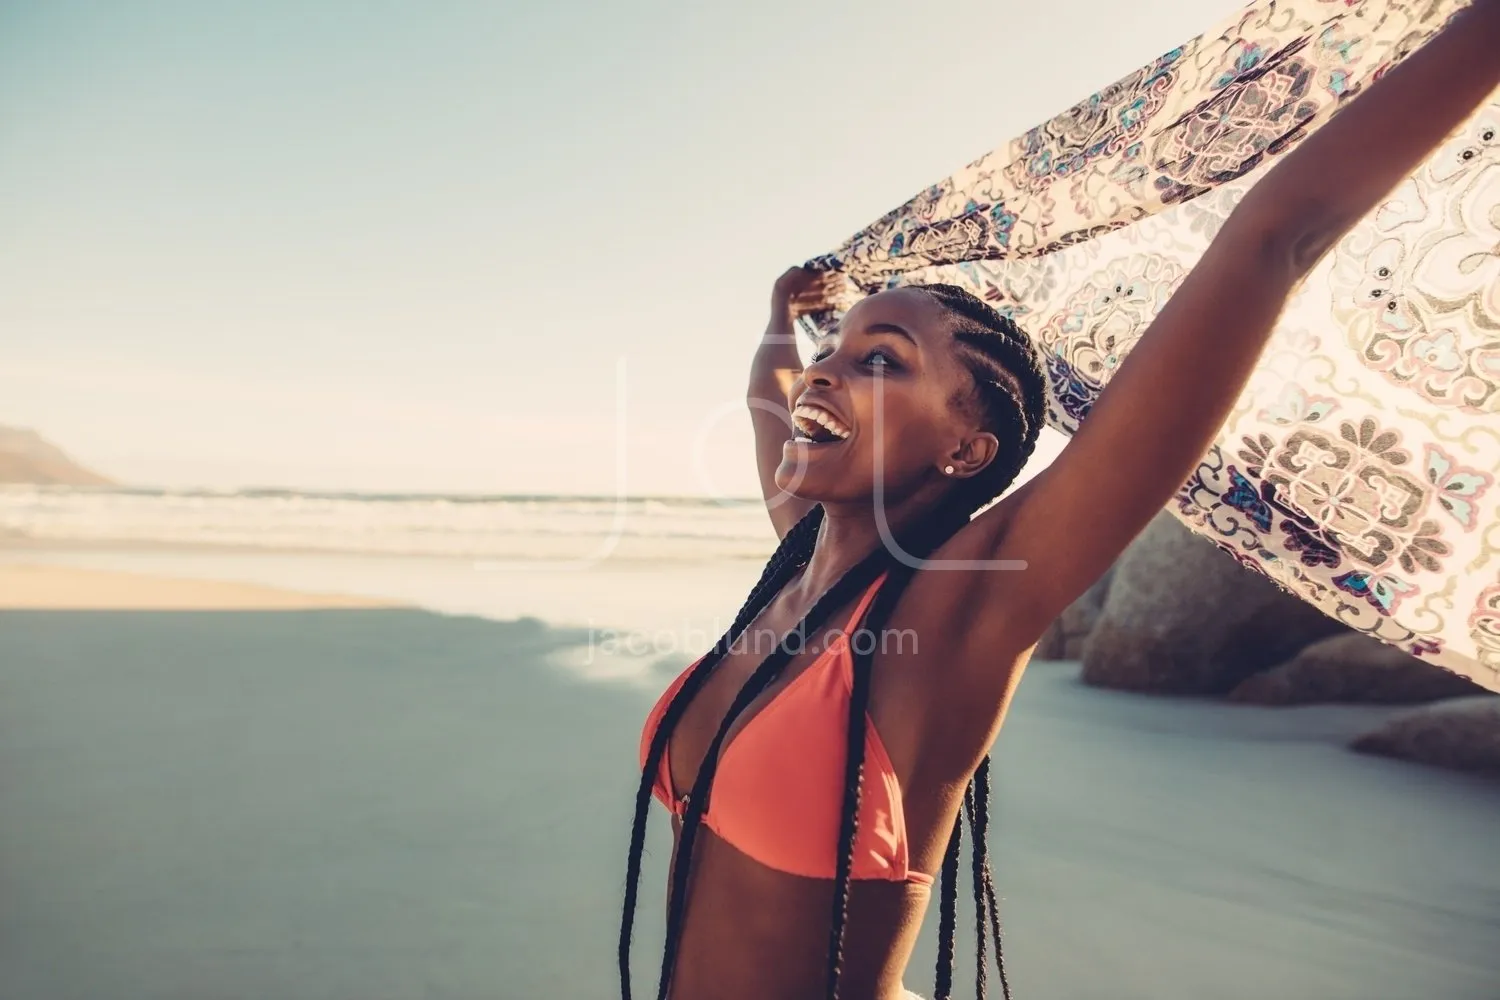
[(803, 290), (815, 295), (792, 283)]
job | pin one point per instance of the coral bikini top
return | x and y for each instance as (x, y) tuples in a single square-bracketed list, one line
[(779, 788)]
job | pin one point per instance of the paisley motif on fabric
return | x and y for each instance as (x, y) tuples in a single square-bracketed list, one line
[(1418, 292), (1107, 313), (1485, 622), (1262, 104), (1358, 468)]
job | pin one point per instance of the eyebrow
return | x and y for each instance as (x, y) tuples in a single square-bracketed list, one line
[(890, 328)]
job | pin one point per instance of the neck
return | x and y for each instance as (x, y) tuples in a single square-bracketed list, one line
[(850, 532)]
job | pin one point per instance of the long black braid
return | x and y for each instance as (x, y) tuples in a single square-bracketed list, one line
[(1011, 394), (793, 552), (981, 965), (979, 822), (947, 914)]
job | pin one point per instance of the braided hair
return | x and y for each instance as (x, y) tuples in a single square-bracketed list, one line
[(1011, 394)]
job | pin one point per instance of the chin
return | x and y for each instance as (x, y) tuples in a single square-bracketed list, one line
[(819, 487), (814, 471), (806, 487)]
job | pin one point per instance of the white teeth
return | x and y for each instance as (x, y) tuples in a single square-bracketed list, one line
[(806, 415)]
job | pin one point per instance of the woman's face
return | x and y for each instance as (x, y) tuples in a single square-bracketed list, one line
[(885, 397)]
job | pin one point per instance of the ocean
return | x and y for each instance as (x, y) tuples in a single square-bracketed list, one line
[(530, 528), (654, 579)]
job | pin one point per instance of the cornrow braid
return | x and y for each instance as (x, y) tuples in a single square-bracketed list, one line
[(847, 586), (859, 700), (793, 553), (981, 965), (979, 823), (1011, 383), (858, 720), (1011, 390), (942, 988)]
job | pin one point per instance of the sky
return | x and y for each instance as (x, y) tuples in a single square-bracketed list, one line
[(470, 247)]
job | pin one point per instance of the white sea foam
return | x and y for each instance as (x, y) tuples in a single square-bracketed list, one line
[(483, 528)]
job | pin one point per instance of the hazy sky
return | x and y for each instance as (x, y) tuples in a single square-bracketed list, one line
[(408, 246)]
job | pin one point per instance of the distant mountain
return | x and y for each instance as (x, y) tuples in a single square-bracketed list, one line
[(27, 457)]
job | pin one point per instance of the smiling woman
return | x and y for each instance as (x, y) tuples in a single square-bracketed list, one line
[(816, 798), (991, 375)]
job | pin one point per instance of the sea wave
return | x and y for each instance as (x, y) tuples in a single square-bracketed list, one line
[(531, 527)]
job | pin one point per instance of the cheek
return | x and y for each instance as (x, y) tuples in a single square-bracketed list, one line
[(900, 426)]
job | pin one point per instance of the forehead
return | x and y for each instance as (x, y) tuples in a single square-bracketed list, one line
[(914, 312)]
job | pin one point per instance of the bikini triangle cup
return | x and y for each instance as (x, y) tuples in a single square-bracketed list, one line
[(788, 760)]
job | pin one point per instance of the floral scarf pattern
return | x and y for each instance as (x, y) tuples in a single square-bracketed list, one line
[(1358, 468)]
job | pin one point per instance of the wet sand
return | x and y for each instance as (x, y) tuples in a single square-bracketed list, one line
[(387, 803)]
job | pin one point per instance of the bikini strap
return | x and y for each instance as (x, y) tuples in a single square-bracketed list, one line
[(864, 604)]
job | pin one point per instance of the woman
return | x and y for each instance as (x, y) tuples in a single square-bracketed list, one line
[(817, 784)]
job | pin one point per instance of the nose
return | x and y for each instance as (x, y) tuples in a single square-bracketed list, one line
[(821, 372)]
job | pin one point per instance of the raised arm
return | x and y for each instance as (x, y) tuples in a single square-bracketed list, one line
[(1158, 416), (776, 366)]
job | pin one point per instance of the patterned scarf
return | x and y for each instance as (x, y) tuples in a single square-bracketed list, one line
[(1358, 467)]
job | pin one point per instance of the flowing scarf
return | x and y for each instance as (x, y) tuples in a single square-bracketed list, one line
[(1358, 467)]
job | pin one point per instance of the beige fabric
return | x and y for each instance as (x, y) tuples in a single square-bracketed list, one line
[(1358, 469)]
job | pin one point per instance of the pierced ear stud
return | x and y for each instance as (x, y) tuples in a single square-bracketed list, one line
[(947, 470)]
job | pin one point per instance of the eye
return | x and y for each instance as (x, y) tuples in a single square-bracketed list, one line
[(821, 353), (880, 359)]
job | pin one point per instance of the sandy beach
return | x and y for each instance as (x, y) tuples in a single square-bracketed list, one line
[(371, 802), (57, 588)]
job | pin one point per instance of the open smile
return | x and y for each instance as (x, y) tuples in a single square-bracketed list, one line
[(812, 424)]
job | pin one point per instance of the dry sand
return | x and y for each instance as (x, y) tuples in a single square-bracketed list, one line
[(55, 588)]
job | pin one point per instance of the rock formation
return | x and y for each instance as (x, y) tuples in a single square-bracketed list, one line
[(1353, 668), (26, 457), (1463, 734), (1065, 637), (1182, 617)]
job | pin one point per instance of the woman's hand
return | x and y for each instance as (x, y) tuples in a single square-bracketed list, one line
[(801, 291), (775, 369)]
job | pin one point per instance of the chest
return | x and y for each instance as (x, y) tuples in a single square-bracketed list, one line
[(815, 653)]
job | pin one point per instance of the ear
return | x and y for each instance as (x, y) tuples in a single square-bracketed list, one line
[(971, 455)]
